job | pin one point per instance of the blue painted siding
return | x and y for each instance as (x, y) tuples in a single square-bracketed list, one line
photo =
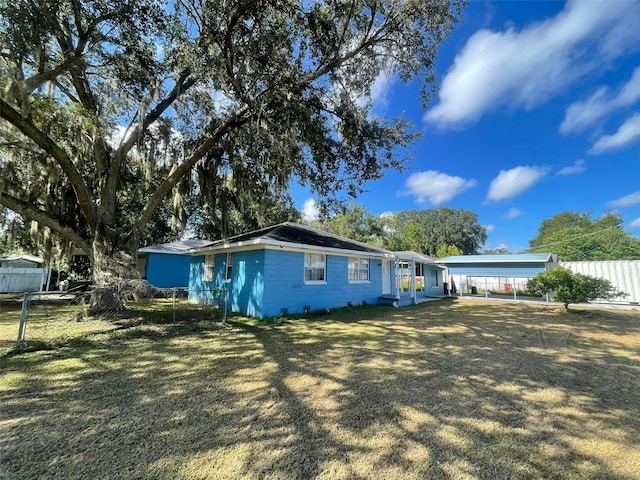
[(433, 289), (167, 271), (197, 286), (497, 269), (199, 289), (246, 290), (284, 285), (246, 286)]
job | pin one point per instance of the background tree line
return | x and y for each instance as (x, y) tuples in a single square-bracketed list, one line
[(442, 232), (438, 232)]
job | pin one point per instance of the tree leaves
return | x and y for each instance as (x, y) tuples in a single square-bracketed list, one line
[(568, 287), (426, 231), (575, 237), (220, 104)]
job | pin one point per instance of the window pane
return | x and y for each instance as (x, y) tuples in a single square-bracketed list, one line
[(353, 268), (358, 269), (314, 266), (229, 265), (208, 268), (364, 269)]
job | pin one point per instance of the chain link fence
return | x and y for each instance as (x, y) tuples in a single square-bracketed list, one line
[(49, 319), (514, 288)]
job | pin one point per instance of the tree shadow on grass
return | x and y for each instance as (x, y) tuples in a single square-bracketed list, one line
[(439, 393)]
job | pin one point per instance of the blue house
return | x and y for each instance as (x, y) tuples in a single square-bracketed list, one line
[(167, 265), (292, 268)]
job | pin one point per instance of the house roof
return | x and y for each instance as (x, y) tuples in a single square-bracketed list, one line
[(415, 256), (26, 256), (176, 248), (295, 235), (509, 258)]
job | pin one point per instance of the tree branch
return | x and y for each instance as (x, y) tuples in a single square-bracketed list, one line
[(38, 79), (235, 120), (80, 188), (181, 86), (30, 212)]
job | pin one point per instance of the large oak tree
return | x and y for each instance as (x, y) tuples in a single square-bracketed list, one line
[(427, 231), (110, 107)]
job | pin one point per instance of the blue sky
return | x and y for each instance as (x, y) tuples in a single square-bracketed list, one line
[(538, 113)]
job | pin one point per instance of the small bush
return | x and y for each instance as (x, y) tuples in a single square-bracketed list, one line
[(567, 287)]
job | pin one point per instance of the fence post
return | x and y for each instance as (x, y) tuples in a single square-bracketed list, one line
[(174, 306), (226, 300), (26, 301)]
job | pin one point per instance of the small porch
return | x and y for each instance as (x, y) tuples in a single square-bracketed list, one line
[(416, 278)]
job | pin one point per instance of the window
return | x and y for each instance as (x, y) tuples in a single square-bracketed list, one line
[(358, 269), (434, 278), (208, 268), (229, 266), (314, 267), (420, 284)]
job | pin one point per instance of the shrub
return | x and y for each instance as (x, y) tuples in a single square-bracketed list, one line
[(568, 287)]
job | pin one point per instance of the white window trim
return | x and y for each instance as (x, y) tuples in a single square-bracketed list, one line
[(304, 272), (228, 265), (368, 270), (208, 273)]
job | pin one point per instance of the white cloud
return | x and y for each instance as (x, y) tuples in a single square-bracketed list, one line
[(635, 223), (628, 132), (524, 68), (310, 210), (580, 115), (510, 183), (513, 213), (117, 136), (436, 187), (626, 201), (381, 89), (577, 167), (489, 228)]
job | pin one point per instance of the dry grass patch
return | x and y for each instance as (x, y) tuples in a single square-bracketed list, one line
[(440, 390)]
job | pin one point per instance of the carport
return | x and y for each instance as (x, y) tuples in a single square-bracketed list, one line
[(495, 275)]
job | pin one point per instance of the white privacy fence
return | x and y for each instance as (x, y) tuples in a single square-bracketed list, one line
[(22, 279), (623, 274)]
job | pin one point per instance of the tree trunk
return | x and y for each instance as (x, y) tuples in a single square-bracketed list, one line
[(115, 276)]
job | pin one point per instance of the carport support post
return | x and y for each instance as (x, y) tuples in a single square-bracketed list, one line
[(486, 288), (23, 318), (515, 289), (396, 263), (413, 281)]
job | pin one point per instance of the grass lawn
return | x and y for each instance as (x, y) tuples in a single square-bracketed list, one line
[(450, 389)]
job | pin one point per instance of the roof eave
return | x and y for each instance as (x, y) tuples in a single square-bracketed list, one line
[(548, 259), (290, 245)]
